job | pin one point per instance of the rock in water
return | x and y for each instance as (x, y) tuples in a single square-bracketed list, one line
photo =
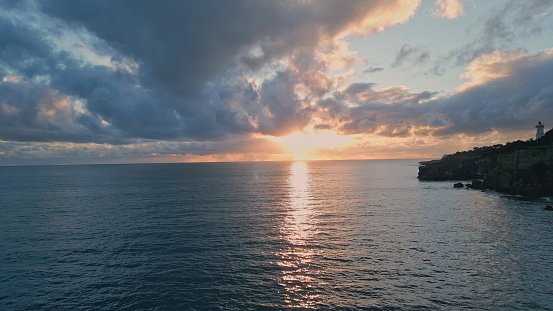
[(477, 184)]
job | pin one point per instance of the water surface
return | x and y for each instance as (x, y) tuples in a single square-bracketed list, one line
[(346, 235)]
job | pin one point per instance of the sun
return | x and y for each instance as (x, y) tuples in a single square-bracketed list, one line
[(301, 144)]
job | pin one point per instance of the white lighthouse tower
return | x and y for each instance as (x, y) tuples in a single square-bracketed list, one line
[(539, 130)]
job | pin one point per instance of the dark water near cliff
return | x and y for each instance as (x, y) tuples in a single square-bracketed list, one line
[(346, 235)]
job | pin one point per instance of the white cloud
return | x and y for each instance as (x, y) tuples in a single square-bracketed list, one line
[(449, 8), (491, 66)]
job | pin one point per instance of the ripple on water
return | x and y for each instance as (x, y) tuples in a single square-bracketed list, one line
[(350, 235)]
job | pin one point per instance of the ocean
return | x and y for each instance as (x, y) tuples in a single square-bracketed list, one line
[(324, 235)]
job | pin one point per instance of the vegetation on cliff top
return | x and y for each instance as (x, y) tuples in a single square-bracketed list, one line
[(547, 139)]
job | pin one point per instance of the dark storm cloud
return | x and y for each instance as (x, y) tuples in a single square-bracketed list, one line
[(21, 119), (286, 114), (497, 31), (170, 69), (24, 50), (35, 108), (182, 44), (212, 71)]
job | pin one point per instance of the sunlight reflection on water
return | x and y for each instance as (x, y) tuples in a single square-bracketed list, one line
[(324, 235), (298, 229)]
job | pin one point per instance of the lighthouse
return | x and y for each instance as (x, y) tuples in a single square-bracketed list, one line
[(539, 130)]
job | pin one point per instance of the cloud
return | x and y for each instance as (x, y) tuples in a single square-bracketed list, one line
[(409, 54), (498, 30), (30, 112), (491, 67), (508, 91), (185, 49), (360, 109), (372, 70), (448, 8), (365, 93), (185, 80), (117, 72), (244, 148)]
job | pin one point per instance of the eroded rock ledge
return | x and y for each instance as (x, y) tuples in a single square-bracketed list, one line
[(524, 168)]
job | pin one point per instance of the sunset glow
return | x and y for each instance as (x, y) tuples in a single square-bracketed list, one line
[(300, 144), (252, 80), (276, 154)]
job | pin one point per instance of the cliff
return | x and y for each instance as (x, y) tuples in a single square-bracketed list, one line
[(519, 167)]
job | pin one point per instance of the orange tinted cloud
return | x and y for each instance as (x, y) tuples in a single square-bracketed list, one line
[(449, 8)]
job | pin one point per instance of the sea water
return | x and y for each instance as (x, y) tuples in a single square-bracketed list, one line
[(330, 235)]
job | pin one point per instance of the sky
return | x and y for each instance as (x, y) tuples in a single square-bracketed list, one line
[(134, 81)]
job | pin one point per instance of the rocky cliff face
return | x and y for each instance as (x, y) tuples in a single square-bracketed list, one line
[(527, 170)]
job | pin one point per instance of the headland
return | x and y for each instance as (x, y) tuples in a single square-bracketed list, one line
[(519, 167)]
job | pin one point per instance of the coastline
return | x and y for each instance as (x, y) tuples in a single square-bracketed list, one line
[(517, 168)]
